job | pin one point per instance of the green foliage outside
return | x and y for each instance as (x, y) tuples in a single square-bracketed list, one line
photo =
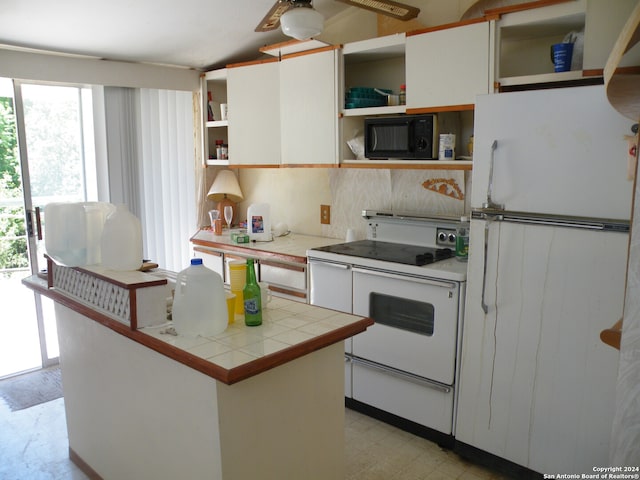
[(13, 243), (56, 167)]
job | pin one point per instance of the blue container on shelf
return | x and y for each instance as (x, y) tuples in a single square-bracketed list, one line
[(363, 97)]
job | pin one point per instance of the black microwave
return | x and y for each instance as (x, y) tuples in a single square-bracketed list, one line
[(411, 137)]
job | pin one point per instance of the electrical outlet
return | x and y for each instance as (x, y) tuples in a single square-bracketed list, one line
[(325, 214)]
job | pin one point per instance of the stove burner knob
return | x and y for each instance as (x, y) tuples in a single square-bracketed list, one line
[(442, 236), (452, 238)]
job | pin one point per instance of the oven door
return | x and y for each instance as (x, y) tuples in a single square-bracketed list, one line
[(416, 322)]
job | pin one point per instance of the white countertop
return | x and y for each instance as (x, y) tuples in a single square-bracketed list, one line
[(285, 324), (293, 244), (289, 330)]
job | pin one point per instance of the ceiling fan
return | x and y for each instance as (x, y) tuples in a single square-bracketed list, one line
[(299, 20)]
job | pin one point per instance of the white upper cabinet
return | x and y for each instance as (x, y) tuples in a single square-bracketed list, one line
[(524, 38), (309, 108), (254, 114), (602, 27), (448, 67)]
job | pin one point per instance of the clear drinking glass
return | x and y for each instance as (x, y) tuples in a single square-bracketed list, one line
[(228, 215)]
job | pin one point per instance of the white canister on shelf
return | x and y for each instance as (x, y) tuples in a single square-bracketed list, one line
[(447, 149)]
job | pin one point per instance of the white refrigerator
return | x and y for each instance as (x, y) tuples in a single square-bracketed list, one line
[(548, 250)]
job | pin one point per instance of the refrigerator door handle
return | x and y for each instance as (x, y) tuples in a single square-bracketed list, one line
[(490, 203), (488, 219), (483, 304)]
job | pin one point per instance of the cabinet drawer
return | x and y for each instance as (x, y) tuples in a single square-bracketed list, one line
[(211, 259), (285, 275)]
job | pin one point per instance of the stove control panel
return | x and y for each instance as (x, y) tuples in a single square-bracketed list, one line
[(446, 237)]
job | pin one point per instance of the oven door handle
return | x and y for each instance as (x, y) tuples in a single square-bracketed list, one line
[(408, 278), (425, 382)]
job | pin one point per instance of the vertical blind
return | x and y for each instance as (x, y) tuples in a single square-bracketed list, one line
[(167, 175)]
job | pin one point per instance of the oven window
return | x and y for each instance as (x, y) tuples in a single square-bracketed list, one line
[(409, 315)]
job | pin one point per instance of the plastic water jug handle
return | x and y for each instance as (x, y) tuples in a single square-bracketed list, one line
[(179, 283)]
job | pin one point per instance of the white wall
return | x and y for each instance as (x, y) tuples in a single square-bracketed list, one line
[(90, 71)]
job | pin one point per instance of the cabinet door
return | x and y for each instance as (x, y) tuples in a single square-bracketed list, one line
[(447, 67), (309, 108), (254, 106), (210, 259), (605, 20)]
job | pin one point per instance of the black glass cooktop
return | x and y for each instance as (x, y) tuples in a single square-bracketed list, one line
[(390, 252)]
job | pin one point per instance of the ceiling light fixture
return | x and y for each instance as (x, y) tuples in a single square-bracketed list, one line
[(302, 22)]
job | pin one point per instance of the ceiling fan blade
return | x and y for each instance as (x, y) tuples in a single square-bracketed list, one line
[(271, 20), (389, 8)]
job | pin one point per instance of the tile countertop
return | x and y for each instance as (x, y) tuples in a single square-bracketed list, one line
[(290, 330), (291, 247)]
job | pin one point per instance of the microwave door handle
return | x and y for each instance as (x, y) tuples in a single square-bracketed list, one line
[(411, 137), (374, 139)]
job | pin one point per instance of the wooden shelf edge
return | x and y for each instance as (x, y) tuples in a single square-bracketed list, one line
[(435, 165), (611, 336), (622, 83)]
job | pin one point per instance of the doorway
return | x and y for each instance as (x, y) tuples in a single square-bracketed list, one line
[(46, 155)]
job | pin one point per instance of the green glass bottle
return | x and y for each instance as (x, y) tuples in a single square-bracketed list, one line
[(252, 298)]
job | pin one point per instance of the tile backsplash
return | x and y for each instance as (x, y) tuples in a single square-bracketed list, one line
[(295, 195)]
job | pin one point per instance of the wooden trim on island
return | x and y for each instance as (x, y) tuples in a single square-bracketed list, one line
[(83, 466)]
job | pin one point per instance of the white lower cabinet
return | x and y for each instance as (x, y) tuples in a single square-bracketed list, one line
[(338, 275), (287, 279), (211, 259)]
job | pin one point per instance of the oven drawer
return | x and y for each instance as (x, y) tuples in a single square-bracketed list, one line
[(422, 402)]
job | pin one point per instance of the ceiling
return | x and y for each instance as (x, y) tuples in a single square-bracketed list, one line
[(191, 33)]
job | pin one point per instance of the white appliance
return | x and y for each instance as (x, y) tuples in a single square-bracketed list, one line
[(548, 249), (405, 278)]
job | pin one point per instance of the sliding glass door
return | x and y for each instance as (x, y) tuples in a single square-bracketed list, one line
[(46, 155)]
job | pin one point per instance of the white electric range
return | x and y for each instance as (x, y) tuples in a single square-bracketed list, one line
[(405, 277)]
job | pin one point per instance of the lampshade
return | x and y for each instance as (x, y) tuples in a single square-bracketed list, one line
[(301, 22), (225, 185)]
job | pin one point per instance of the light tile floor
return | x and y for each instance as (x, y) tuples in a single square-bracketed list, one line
[(378, 451), (33, 446)]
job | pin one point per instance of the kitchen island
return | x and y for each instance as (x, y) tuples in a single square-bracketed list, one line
[(141, 402)]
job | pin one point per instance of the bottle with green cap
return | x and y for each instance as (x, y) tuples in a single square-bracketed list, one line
[(252, 298), (462, 239)]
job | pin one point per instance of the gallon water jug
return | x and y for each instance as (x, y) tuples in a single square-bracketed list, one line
[(73, 231), (121, 242), (199, 302)]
